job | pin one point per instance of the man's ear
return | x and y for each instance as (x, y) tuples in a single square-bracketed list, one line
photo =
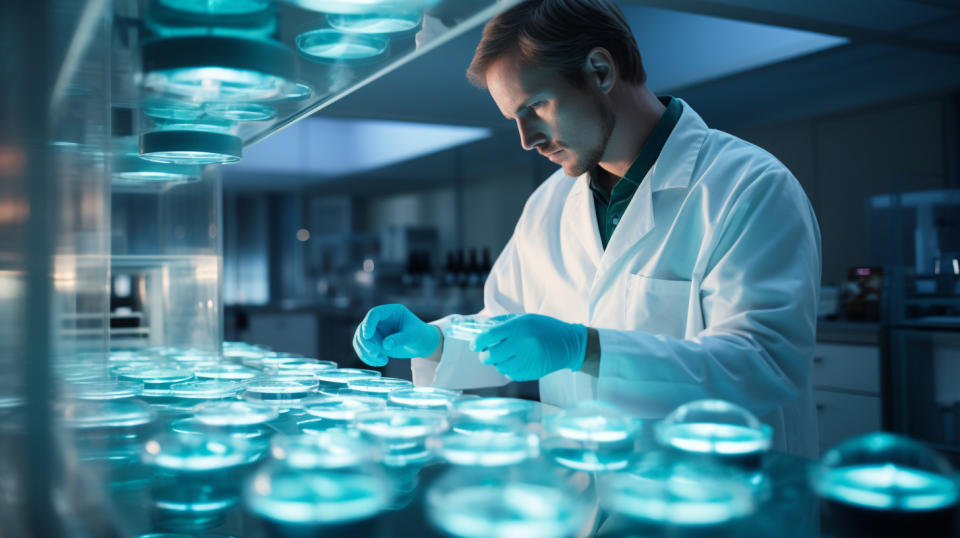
[(601, 70)]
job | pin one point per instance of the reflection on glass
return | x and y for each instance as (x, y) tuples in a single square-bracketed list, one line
[(332, 46), (488, 409), (339, 409), (234, 413), (488, 449), (383, 23)]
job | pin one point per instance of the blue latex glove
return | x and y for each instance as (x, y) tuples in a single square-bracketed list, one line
[(531, 346), (392, 330)]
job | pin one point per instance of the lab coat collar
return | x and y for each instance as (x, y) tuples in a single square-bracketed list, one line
[(672, 170)]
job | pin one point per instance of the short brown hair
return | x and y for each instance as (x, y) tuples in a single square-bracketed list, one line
[(559, 34)]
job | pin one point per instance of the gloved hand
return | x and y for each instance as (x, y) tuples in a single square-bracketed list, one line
[(531, 346), (392, 330)]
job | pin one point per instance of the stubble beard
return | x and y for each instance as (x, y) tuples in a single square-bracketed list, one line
[(593, 156)]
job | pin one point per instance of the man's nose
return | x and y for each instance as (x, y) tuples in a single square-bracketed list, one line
[(530, 135)]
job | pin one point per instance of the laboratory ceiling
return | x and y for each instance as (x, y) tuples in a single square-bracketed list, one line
[(740, 63)]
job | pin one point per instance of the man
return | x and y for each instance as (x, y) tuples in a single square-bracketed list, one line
[(664, 262)]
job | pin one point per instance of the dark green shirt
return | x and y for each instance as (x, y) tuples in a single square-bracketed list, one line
[(610, 207)]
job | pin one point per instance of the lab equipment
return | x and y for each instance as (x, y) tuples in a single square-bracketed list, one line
[(341, 377), (234, 413), (496, 409), (884, 485), (341, 409), (403, 433), (718, 429), (487, 448), (502, 502), (591, 436), (280, 391), (190, 147), (331, 46), (377, 386), (394, 23), (468, 327), (423, 397), (205, 390)]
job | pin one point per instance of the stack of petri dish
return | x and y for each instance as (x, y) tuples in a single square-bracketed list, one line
[(403, 433), (330, 411)]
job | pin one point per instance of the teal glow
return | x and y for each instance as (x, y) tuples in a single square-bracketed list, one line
[(317, 426), (723, 439), (677, 499), (190, 157), (383, 23), (315, 497), (225, 371), (240, 111), (307, 366), (341, 377), (153, 377), (105, 390), (487, 449), (400, 424), (217, 7), (196, 453), (509, 510), (234, 413), (205, 390), (215, 83), (194, 507), (341, 409), (889, 487), (332, 46), (330, 449), (423, 397), (294, 92), (597, 458), (192, 426), (378, 385), (593, 422), (495, 408), (145, 177), (107, 414), (172, 110)]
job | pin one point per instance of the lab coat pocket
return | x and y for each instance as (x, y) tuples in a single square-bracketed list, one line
[(656, 305)]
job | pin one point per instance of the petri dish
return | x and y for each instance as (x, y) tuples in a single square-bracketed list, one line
[(506, 502), (107, 414), (488, 449), (394, 23), (714, 427), (598, 458), (882, 484), (196, 453), (423, 397), (109, 390), (593, 422), (359, 6), (190, 146), (468, 327), (297, 496), (307, 366), (380, 386), (205, 390), (217, 7), (341, 409), (672, 495), (234, 413), (233, 372), (172, 110), (192, 426), (153, 378), (400, 424), (333, 46), (331, 449), (278, 390), (341, 377), (240, 111), (490, 409)]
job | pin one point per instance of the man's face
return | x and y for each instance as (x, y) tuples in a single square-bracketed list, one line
[(566, 124)]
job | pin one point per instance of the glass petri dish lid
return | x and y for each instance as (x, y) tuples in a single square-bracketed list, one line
[(593, 422), (392, 22), (400, 424), (233, 372), (333, 46), (330, 449), (490, 409), (361, 6), (106, 414), (341, 377), (714, 427), (198, 453), (341, 409), (668, 494), (234, 413), (316, 497), (525, 500), (468, 327), (486, 449), (378, 385), (209, 389), (269, 389), (423, 397), (105, 390), (886, 472), (153, 376)]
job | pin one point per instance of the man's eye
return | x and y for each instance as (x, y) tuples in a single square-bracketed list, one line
[(536, 105)]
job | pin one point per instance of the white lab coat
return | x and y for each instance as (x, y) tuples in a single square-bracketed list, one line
[(708, 287)]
